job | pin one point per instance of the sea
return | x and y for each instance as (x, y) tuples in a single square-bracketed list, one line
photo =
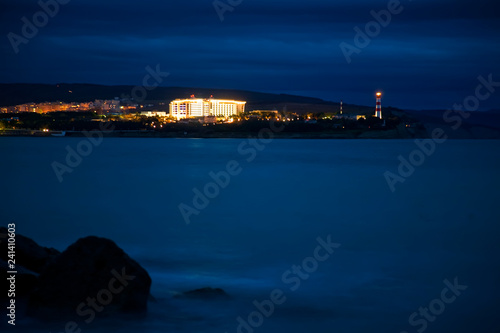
[(317, 236)]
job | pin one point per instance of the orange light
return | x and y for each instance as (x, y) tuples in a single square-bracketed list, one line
[(379, 94)]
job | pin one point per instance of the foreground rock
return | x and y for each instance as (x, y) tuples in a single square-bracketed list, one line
[(205, 294), (93, 277), (29, 260), (29, 254), (23, 284)]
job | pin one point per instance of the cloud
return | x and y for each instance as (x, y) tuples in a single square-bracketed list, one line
[(436, 48)]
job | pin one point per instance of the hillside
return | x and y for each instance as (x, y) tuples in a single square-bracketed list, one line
[(14, 94)]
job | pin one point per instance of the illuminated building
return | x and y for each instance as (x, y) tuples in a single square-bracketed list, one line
[(198, 107)]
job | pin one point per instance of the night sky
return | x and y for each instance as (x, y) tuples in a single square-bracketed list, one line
[(429, 56)]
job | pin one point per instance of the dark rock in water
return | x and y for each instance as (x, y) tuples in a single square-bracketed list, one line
[(93, 277), (29, 260), (28, 253), (205, 294), (24, 282), (152, 299)]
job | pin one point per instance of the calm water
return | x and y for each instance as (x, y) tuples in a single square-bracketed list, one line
[(396, 248)]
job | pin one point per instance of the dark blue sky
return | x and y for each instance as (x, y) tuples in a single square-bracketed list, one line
[(429, 56)]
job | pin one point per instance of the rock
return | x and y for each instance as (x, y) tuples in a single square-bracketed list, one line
[(91, 277), (25, 281), (152, 299), (205, 294), (28, 253), (19, 291), (29, 259)]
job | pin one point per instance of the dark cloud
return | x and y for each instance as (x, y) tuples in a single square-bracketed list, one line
[(429, 56)]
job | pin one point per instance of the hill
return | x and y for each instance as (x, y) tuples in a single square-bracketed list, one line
[(20, 93)]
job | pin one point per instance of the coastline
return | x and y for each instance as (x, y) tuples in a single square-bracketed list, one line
[(347, 134)]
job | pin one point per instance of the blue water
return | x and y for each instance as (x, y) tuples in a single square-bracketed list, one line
[(395, 248)]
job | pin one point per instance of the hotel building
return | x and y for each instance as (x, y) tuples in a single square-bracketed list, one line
[(197, 107)]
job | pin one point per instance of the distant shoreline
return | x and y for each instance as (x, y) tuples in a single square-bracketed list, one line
[(347, 134)]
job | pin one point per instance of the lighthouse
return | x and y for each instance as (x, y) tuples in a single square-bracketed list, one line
[(378, 108)]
